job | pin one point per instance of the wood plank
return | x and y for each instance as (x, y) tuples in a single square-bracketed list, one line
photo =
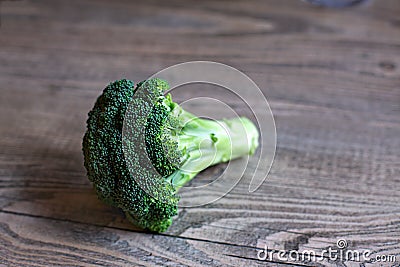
[(331, 77), (58, 242)]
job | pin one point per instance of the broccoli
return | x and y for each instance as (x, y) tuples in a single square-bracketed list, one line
[(177, 144)]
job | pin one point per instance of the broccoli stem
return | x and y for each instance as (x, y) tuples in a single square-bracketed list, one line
[(207, 142)]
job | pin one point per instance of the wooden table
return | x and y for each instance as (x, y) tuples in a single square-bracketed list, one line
[(332, 78)]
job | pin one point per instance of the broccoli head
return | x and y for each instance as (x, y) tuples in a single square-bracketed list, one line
[(140, 147)]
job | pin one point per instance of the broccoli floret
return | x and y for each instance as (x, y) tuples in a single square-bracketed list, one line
[(177, 145)]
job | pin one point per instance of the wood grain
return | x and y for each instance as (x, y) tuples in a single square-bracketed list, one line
[(332, 78)]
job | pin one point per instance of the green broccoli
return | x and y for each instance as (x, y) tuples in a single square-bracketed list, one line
[(177, 144)]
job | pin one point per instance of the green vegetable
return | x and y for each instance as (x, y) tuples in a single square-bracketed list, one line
[(178, 146)]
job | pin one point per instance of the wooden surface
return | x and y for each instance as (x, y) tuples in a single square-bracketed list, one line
[(332, 78)]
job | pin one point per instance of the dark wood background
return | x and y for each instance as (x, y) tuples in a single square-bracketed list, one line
[(332, 78)]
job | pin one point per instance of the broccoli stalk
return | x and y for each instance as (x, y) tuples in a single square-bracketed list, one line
[(208, 142), (177, 143)]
